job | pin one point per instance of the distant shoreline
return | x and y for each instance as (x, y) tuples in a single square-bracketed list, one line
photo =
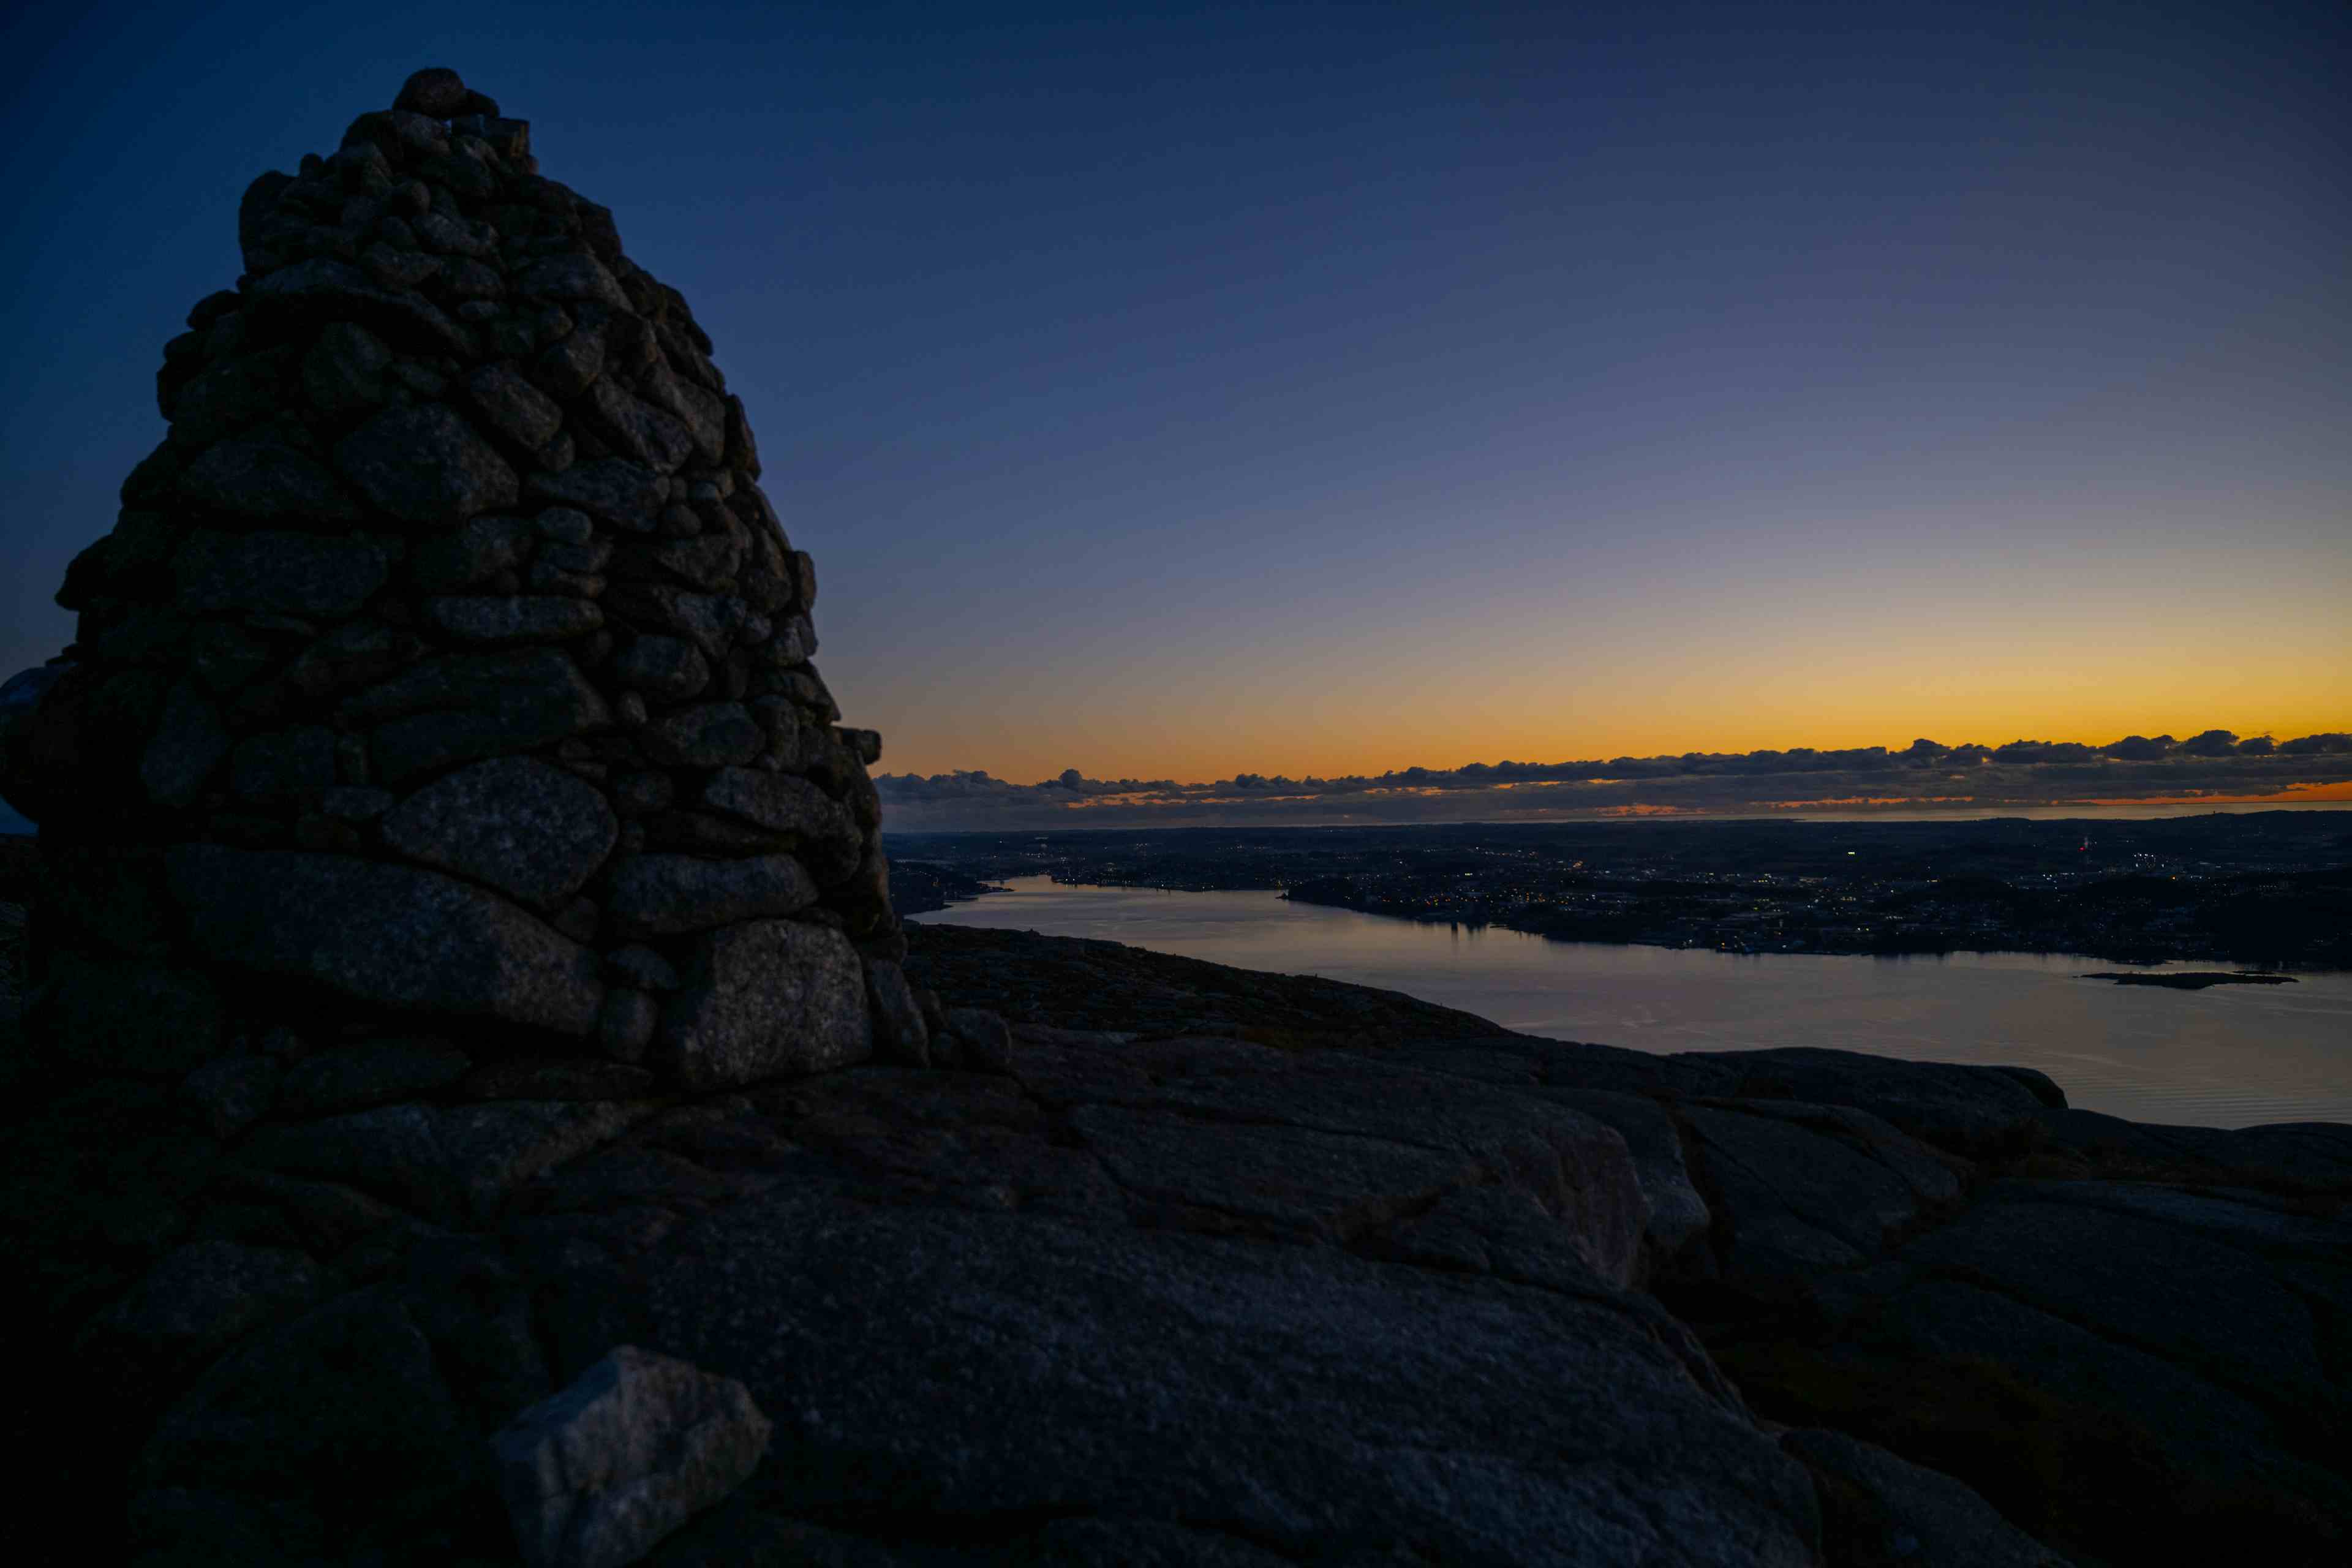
[(2193, 979), (2253, 891), (1176, 819)]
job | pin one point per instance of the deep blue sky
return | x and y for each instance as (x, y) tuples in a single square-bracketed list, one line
[(1327, 389)]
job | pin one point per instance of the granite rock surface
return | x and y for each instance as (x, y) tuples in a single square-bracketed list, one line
[(1096, 1295)]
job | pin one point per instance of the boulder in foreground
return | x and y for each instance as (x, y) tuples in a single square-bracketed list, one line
[(639, 1444)]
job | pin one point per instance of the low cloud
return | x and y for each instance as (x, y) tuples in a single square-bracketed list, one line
[(1925, 773)]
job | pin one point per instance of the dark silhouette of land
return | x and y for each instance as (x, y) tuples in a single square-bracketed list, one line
[(2266, 888), (2192, 980)]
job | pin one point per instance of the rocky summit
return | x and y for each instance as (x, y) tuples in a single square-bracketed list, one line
[(469, 1099)]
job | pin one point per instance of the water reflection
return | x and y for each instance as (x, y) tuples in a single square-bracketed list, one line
[(2229, 1056)]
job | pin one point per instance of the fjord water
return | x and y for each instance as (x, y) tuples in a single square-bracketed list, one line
[(2229, 1056)]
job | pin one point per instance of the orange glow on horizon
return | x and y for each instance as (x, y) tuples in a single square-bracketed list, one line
[(1113, 756), (1357, 696), (2294, 794)]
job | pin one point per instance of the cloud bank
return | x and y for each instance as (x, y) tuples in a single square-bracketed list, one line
[(1925, 774)]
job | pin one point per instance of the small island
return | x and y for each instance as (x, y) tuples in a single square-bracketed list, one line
[(2193, 979)]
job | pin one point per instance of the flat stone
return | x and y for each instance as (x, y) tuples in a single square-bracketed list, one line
[(131, 1016), (231, 1093), (395, 935), (357, 803), (267, 482), (233, 395), (687, 347), (571, 275), (767, 998), (351, 655), (506, 138), (565, 526), (322, 290), (513, 407), (342, 373), (573, 569), (701, 833), (707, 735), (642, 967), (570, 364), (655, 438), (225, 657), (627, 495), (326, 1217), (142, 542), (668, 669), (459, 707), (651, 789), (444, 1163), (639, 1444), (471, 554), (701, 412), (399, 270), (495, 619), (447, 236), (795, 644), (533, 832), (106, 898), (314, 576), (198, 1299), (400, 132), (712, 560), (662, 895), (284, 766), (558, 1077), (424, 465), (790, 806), (188, 746), (373, 1072), (714, 622)]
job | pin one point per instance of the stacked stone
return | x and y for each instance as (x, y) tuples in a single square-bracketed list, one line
[(442, 697)]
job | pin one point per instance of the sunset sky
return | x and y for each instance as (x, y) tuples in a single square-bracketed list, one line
[(1301, 389)]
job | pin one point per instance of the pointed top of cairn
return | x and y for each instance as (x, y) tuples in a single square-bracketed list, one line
[(446, 677)]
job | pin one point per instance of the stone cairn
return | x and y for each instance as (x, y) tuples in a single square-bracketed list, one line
[(441, 725)]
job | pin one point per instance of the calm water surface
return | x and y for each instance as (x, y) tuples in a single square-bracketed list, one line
[(2232, 1056)]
